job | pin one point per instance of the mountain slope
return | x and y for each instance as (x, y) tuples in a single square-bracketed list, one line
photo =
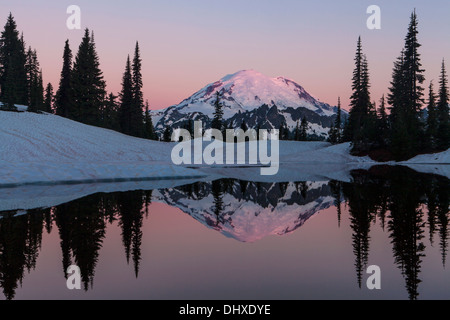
[(254, 98)]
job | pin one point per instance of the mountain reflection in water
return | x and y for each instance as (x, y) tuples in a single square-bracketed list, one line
[(409, 207)]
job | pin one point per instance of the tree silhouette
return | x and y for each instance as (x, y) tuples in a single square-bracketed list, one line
[(336, 191), (217, 193), (20, 242), (361, 216), (130, 212)]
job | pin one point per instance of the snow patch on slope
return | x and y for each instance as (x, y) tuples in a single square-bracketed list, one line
[(247, 90), (43, 148)]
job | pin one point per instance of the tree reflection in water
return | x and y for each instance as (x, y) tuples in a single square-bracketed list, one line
[(405, 203)]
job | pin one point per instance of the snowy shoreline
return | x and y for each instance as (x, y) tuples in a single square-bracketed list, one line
[(44, 149)]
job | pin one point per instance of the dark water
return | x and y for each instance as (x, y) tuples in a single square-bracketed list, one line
[(231, 239)]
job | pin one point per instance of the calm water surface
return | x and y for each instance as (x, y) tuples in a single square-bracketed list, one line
[(231, 239)]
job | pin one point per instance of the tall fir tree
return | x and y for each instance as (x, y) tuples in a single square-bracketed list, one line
[(398, 138), (383, 124), (138, 97), (13, 77), (244, 126), (355, 114), (31, 69), (338, 122), (126, 101), (88, 85), (360, 104), (167, 135), (35, 87), (48, 98), (304, 130), (39, 95), (335, 134), (217, 122), (63, 99), (332, 137), (443, 132), (406, 99), (432, 119)]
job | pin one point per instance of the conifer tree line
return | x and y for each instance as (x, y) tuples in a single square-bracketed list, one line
[(299, 133), (20, 74), (409, 128), (81, 94)]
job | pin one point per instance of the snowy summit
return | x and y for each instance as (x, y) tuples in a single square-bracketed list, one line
[(247, 90), (255, 98)]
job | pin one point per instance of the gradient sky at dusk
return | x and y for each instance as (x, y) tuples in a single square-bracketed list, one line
[(187, 44)]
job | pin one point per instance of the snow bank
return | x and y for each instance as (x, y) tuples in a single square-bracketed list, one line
[(44, 196), (42, 148), (437, 163), (435, 158)]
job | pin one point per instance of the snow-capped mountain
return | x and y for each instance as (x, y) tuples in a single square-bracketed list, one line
[(248, 211), (254, 98)]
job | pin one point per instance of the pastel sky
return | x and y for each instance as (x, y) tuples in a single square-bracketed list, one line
[(186, 45)]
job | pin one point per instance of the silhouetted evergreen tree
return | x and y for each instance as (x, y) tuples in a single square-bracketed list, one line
[(88, 85), (32, 71), (48, 99), (20, 242), (137, 120), (126, 101), (402, 192), (63, 99), (383, 123), (332, 135), (358, 129), (406, 227), (217, 122), (244, 126), (167, 135), (217, 193), (338, 122), (432, 119), (335, 134), (40, 92), (13, 76), (304, 130), (82, 230), (130, 205), (336, 191), (36, 94), (406, 97), (361, 216), (443, 132)]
